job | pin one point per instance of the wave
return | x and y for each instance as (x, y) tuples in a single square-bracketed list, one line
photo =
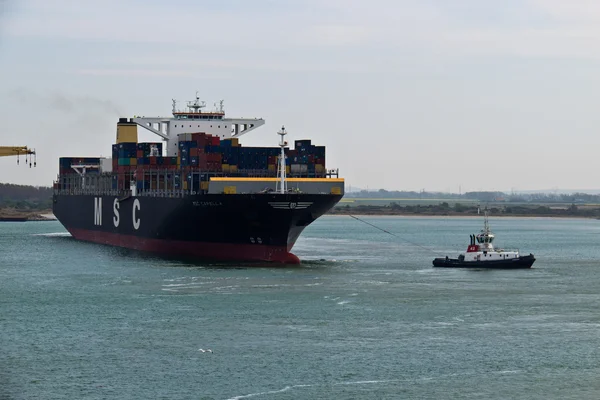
[(53, 234), (287, 388)]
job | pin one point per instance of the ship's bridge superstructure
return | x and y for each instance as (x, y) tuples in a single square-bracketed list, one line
[(481, 247), (193, 119)]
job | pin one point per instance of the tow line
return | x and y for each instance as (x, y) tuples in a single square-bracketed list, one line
[(390, 233)]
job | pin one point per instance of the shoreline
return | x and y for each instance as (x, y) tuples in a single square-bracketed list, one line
[(11, 215), (362, 213)]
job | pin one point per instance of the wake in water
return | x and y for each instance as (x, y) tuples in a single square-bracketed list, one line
[(287, 388), (53, 234), (369, 382)]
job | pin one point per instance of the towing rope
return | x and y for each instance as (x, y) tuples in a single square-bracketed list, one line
[(390, 233)]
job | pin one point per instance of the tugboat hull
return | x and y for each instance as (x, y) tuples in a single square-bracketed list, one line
[(514, 263)]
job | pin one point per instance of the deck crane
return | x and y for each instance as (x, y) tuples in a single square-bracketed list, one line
[(29, 154)]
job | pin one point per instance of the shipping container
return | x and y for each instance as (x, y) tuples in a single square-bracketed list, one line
[(299, 168), (184, 137), (301, 144)]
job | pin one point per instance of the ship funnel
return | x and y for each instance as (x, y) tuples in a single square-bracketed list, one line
[(126, 131)]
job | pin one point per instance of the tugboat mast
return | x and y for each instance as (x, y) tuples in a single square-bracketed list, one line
[(486, 226), (282, 184)]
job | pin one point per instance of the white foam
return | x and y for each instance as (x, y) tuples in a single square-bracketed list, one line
[(184, 284), (287, 388), (53, 234), (367, 382)]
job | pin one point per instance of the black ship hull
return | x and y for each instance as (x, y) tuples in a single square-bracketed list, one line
[(515, 263), (234, 227)]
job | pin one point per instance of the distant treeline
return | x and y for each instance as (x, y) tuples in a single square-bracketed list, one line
[(480, 196), (458, 209), (23, 197)]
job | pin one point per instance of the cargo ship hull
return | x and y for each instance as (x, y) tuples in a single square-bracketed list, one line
[(233, 227)]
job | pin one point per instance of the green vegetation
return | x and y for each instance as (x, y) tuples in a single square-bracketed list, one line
[(483, 197), (25, 198), (469, 209)]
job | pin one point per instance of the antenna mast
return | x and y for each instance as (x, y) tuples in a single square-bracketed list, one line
[(281, 170), (486, 226), (196, 105)]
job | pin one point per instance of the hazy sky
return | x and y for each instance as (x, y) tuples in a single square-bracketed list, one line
[(405, 94)]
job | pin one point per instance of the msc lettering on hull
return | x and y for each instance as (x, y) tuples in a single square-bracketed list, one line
[(98, 211), (136, 221), (116, 215), (116, 212)]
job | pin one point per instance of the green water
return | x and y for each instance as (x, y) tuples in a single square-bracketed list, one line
[(365, 317)]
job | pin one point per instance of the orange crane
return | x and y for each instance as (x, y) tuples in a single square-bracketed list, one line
[(29, 154)]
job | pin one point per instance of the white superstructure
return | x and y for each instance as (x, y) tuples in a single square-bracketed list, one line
[(482, 248), (192, 120)]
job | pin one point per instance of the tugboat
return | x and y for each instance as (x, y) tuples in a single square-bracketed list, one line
[(481, 254)]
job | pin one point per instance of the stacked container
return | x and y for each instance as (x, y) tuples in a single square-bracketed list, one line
[(64, 164)]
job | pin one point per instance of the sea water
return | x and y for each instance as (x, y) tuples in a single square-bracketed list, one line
[(365, 316)]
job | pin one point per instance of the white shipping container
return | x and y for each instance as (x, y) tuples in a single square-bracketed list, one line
[(106, 165)]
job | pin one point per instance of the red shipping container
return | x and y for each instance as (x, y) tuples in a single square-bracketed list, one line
[(140, 153), (194, 152), (198, 135), (152, 160)]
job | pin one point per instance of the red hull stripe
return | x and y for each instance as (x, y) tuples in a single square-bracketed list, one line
[(216, 251)]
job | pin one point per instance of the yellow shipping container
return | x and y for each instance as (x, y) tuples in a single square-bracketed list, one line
[(133, 161), (287, 169), (319, 168), (225, 167), (272, 168), (336, 190), (229, 190), (204, 185), (233, 168), (235, 142), (178, 160)]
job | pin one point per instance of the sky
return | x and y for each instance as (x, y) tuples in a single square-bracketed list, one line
[(406, 94)]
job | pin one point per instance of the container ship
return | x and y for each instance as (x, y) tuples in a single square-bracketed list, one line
[(197, 192)]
